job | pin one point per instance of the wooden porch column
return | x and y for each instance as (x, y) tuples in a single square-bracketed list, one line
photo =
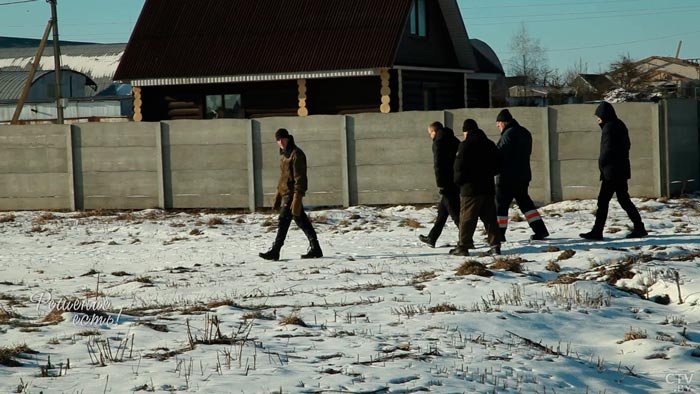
[(137, 104), (385, 91), (301, 84)]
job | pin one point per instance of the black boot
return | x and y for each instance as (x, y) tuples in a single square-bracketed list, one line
[(503, 233), (540, 230), (273, 253), (592, 235), (314, 250), (638, 232), (427, 240)]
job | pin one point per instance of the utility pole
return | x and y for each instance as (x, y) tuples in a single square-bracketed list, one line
[(57, 61)]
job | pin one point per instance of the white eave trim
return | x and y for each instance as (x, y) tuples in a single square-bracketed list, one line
[(254, 77), (485, 76), (434, 69)]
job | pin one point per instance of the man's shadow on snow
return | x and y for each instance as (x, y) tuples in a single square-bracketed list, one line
[(606, 243)]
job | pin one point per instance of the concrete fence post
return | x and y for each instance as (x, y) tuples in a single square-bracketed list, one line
[(547, 128), (345, 170), (73, 204), (252, 164), (160, 164)]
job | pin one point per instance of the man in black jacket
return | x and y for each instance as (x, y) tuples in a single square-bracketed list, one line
[(474, 168), (515, 147), (614, 165), (444, 150)]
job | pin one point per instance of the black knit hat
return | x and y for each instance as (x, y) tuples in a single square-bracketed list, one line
[(504, 116), (281, 133), (469, 125)]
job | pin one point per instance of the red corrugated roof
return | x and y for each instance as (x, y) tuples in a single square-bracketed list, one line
[(191, 38)]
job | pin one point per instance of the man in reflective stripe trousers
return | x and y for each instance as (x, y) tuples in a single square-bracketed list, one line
[(515, 147)]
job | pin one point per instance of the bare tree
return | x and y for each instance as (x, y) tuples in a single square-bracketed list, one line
[(626, 73), (529, 58), (572, 72)]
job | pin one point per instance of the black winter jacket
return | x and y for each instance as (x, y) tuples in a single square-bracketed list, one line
[(444, 151), (614, 159), (476, 164), (515, 147)]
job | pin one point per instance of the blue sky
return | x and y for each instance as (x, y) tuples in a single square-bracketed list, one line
[(595, 32)]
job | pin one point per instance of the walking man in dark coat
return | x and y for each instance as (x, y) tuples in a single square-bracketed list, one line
[(515, 147), (291, 188), (614, 165), (474, 168), (444, 150)]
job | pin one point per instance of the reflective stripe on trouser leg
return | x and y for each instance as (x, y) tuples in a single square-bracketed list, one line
[(502, 221), (532, 216)]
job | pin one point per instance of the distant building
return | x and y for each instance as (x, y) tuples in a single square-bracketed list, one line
[(86, 74), (242, 58), (591, 87), (667, 76)]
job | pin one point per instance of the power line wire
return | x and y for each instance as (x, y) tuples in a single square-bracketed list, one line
[(597, 15), (18, 2)]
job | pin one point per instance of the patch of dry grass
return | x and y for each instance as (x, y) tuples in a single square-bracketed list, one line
[(473, 267), (213, 221), (7, 218), (633, 334), (127, 217), (196, 231), (567, 254), (423, 276), (553, 266), (120, 273), (444, 307), (53, 317), (9, 353), (409, 222), (7, 315), (551, 249), (512, 264), (293, 320)]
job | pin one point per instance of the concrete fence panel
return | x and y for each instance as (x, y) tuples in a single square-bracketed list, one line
[(533, 119), (206, 163), (575, 147), (35, 170), (642, 120), (116, 165), (353, 159), (681, 173), (393, 158), (321, 139)]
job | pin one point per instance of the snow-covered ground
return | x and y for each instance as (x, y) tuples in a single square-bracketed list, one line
[(180, 301)]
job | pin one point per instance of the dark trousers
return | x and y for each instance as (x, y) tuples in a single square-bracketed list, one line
[(447, 207), (472, 209), (505, 195), (619, 188), (285, 220)]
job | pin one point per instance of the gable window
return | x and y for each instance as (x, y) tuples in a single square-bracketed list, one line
[(418, 19)]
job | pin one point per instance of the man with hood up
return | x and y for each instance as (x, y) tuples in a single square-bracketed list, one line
[(476, 164), (614, 165), (291, 188), (515, 147), (444, 150)]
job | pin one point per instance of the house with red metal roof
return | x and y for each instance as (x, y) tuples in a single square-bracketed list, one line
[(243, 59)]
